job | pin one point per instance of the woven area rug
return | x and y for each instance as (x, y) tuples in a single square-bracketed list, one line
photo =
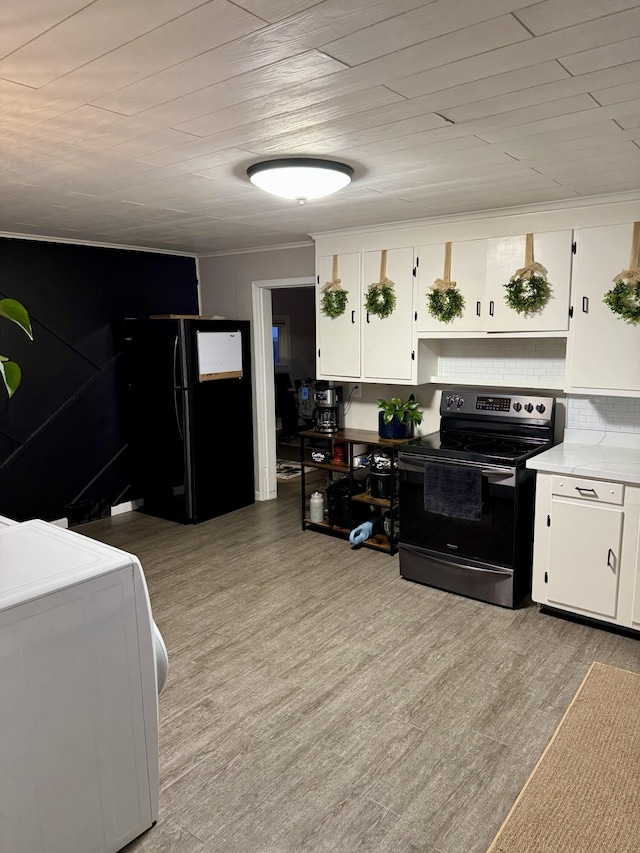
[(584, 793), (286, 470)]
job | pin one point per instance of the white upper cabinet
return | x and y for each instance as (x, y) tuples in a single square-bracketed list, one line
[(505, 255), (359, 345), (388, 345), (339, 337), (468, 270), (482, 268), (604, 350)]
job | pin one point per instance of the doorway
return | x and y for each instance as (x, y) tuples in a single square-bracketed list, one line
[(262, 293)]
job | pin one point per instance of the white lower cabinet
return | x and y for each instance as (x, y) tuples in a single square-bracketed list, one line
[(586, 548), (584, 556)]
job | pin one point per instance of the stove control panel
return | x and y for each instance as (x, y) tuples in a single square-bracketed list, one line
[(511, 406), (493, 404)]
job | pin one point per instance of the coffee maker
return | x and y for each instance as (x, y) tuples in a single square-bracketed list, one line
[(326, 415)]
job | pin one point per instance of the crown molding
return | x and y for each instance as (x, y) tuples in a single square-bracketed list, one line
[(541, 207), (304, 245), (37, 238)]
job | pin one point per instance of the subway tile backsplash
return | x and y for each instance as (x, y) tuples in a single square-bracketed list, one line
[(608, 414), (524, 359)]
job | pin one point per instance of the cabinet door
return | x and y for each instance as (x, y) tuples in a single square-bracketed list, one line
[(584, 557), (468, 270), (606, 351), (389, 344), (339, 337), (552, 249)]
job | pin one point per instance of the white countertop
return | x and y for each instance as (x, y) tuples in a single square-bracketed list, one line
[(601, 461)]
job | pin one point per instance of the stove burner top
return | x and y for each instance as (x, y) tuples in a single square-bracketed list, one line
[(449, 443), (510, 450), (490, 448)]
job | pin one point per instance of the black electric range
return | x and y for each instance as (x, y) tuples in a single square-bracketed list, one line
[(475, 535)]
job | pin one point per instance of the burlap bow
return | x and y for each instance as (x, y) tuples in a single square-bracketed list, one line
[(445, 283), (384, 281), (442, 285), (334, 284), (631, 276), (530, 267)]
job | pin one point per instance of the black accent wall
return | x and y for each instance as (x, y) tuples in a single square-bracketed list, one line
[(62, 446)]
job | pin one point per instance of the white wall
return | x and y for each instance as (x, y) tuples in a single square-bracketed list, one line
[(608, 414), (363, 413), (519, 361), (225, 280)]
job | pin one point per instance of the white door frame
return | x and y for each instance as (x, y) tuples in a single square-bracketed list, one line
[(265, 415)]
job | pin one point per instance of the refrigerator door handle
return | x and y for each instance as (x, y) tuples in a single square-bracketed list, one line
[(175, 387)]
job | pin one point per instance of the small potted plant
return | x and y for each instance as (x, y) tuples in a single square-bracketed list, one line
[(398, 419)]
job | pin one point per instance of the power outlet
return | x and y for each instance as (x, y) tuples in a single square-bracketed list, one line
[(356, 392)]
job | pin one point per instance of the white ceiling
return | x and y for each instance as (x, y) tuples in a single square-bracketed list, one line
[(133, 121)]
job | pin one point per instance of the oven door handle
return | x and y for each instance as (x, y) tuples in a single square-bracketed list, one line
[(414, 462), (496, 472)]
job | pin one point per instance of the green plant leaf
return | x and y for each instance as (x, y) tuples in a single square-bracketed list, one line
[(11, 375), (17, 313), (403, 411)]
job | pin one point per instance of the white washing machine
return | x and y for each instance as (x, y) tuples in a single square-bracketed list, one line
[(81, 666)]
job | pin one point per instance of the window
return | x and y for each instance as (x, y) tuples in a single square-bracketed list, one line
[(280, 335)]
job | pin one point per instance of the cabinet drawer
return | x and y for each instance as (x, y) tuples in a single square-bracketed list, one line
[(588, 490)]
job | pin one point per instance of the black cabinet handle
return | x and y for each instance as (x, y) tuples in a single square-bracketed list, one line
[(582, 489), (353, 316), (477, 309), (491, 306), (609, 556), (585, 304), (367, 316)]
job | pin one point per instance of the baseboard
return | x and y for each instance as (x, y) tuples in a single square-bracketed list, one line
[(118, 509), (127, 506)]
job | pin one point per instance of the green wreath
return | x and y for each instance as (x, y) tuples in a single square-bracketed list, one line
[(445, 305), (624, 300), (527, 295), (334, 303), (380, 300)]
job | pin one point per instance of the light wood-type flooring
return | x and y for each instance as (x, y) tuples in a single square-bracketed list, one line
[(318, 702)]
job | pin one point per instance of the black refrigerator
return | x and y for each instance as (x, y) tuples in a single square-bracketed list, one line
[(189, 416)]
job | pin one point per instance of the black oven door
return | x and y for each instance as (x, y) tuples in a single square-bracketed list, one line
[(490, 540)]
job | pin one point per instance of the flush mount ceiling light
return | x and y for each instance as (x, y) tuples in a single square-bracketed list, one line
[(300, 178)]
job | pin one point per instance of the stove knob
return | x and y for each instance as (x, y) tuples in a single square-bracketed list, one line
[(459, 402), (528, 407), (449, 401), (540, 408), (517, 407)]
